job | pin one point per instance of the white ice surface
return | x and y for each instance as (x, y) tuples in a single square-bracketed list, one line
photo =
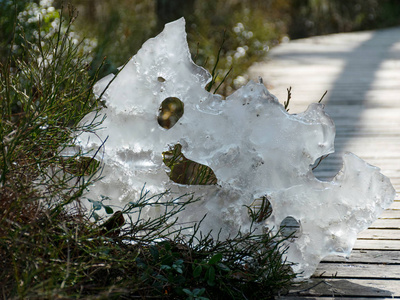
[(254, 147)]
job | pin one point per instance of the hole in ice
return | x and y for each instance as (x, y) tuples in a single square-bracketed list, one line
[(170, 111), (326, 167), (290, 227), (260, 209), (160, 79), (186, 171), (80, 166)]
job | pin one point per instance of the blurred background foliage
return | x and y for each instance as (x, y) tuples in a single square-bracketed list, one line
[(242, 30), (19, 22), (317, 17)]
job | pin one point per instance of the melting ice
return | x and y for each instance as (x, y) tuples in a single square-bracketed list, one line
[(255, 148)]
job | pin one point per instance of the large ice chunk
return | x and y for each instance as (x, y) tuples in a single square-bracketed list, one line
[(255, 148)]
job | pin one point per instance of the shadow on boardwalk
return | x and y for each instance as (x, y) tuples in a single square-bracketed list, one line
[(335, 288), (357, 78)]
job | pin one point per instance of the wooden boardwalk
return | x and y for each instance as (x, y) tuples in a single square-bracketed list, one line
[(361, 72)]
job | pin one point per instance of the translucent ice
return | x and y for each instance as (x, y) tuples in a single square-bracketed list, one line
[(255, 148)]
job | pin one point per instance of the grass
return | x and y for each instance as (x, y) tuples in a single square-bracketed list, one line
[(50, 247)]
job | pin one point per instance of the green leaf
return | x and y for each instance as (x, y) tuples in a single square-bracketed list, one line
[(161, 278), (177, 265), (187, 292), (178, 262), (167, 246), (197, 271), (97, 205), (216, 258), (199, 292), (223, 267), (210, 275), (154, 252), (108, 209), (95, 216)]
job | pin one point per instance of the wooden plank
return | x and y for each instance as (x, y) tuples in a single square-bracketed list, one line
[(380, 234), (390, 214), (395, 205), (386, 224), (377, 245), (367, 256), (350, 270), (347, 287)]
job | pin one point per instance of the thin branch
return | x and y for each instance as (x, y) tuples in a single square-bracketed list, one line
[(320, 100), (320, 159), (289, 96)]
